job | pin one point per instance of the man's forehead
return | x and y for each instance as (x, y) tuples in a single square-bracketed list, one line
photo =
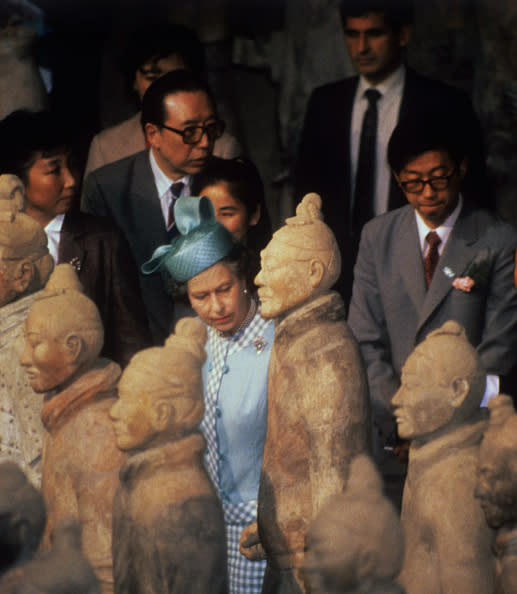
[(366, 21)]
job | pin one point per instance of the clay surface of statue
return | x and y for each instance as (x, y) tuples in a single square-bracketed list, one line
[(497, 488), (318, 409), (81, 461), (168, 526), (355, 543), (63, 570), (437, 407), (22, 518), (25, 266)]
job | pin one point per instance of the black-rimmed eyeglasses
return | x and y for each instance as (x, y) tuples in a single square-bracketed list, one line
[(193, 134), (437, 183)]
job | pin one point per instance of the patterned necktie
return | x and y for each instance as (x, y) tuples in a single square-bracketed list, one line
[(365, 175), (432, 256), (175, 192)]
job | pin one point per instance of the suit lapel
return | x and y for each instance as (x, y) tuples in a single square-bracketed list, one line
[(144, 203), (407, 252), (459, 251), (70, 251)]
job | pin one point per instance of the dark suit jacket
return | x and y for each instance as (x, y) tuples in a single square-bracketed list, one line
[(324, 156), (392, 311), (100, 254), (125, 193)]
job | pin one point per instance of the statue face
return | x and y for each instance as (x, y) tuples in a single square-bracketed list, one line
[(48, 360), (283, 281), (8, 288), (422, 403), (496, 486), (133, 414)]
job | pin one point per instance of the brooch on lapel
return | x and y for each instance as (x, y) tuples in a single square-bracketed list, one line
[(475, 275), (259, 344), (76, 263)]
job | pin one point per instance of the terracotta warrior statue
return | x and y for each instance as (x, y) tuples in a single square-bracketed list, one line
[(497, 488), (356, 544), (81, 461), (22, 522), (168, 525), (25, 265), (437, 407), (22, 518), (318, 409)]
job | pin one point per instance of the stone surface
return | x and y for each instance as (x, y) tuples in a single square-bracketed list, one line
[(62, 570), (22, 517), (24, 268), (318, 409), (21, 85), (168, 526), (63, 337), (497, 488), (21, 429), (448, 543), (355, 543)]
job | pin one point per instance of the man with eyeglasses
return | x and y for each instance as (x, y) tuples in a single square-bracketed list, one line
[(436, 259), (342, 153), (181, 125), (153, 50)]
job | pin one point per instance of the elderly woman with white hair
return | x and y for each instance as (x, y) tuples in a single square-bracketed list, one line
[(207, 265)]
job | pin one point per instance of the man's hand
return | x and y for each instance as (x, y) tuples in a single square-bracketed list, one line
[(250, 545)]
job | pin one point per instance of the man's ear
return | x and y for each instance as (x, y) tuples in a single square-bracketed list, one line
[(151, 132), (255, 217), (164, 414), (405, 35), (23, 276), (463, 166), (460, 389), (75, 347), (316, 272)]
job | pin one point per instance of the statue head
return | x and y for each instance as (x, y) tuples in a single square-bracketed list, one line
[(161, 390), (22, 516), (497, 474), (442, 384), (356, 538), (25, 263), (63, 333), (301, 261)]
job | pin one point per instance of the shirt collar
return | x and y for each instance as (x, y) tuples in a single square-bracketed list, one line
[(55, 225), (393, 83), (444, 230), (163, 183)]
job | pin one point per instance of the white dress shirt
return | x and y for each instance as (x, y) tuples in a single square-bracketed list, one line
[(163, 185), (388, 109), (53, 231)]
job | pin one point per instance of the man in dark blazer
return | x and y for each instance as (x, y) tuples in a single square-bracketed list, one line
[(137, 193), (377, 32), (397, 299), (94, 246)]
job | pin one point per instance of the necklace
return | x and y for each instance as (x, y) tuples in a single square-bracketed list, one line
[(245, 322)]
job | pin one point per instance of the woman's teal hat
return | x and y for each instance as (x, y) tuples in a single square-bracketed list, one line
[(202, 241)]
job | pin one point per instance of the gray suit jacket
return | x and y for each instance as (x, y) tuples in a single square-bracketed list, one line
[(125, 192), (392, 311)]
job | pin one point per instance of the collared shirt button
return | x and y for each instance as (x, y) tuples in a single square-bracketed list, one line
[(218, 412), (226, 369)]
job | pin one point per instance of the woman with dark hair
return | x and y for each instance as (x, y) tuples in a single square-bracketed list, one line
[(235, 188), (34, 146), (207, 264)]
